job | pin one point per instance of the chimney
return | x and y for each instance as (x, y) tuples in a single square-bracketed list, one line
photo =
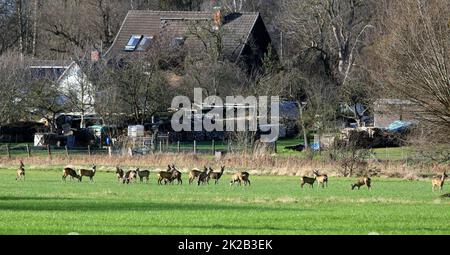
[(217, 17), (95, 56)]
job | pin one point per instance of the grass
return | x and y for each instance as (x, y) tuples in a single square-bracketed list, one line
[(272, 205)]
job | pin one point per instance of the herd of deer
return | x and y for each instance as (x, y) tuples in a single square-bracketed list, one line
[(203, 177)]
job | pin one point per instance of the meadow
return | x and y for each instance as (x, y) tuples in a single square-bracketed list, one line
[(275, 205)]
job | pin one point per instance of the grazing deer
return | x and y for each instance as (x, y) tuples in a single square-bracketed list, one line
[(322, 179), (130, 176), (307, 180), (88, 173), (20, 173), (194, 174), (241, 177), (361, 182), (215, 175), (70, 172), (143, 174), (203, 177), (119, 173), (439, 181), (165, 175), (176, 175)]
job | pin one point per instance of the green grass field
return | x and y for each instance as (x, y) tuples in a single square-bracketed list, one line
[(271, 205)]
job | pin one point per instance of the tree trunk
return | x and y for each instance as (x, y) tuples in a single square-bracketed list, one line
[(19, 25), (35, 20)]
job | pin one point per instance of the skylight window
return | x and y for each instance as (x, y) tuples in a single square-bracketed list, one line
[(133, 42), (145, 42)]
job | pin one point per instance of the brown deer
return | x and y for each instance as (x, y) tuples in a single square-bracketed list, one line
[(119, 173), (143, 174), (176, 175), (322, 179), (307, 180), (70, 172), (165, 175), (203, 177), (20, 173), (88, 173), (130, 176), (194, 174), (361, 182), (241, 177), (439, 181), (215, 175)]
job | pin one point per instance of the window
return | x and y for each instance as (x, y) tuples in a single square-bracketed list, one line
[(133, 42), (177, 41), (145, 42)]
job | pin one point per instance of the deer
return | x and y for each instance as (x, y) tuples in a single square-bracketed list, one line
[(20, 173), (119, 173), (68, 171), (165, 175), (439, 181), (130, 176), (143, 174), (215, 175), (361, 182), (176, 175), (194, 174), (322, 179), (307, 180), (88, 173), (240, 177), (203, 177)]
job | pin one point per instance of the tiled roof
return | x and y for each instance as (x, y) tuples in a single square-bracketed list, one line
[(236, 26)]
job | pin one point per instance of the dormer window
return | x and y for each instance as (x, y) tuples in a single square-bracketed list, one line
[(145, 43), (133, 42)]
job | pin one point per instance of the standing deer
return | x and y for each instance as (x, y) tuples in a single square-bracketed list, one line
[(143, 174), (20, 173), (322, 179), (194, 174), (361, 182), (165, 175), (241, 177), (70, 172), (307, 180), (119, 173), (439, 181), (176, 175), (215, 175), (130, 176), (203, 177), (88, 173)]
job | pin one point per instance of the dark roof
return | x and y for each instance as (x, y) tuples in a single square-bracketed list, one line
[(237, 29), (50, 69)]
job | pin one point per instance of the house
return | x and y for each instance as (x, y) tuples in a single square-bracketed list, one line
[(244, 35), (72, 83), (387, 111)]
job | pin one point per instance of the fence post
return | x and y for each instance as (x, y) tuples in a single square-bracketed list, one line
[(89, 150), (7, 151), (110, 151), (178, 146), (67, 151), (28, 151), (275, 147), (49, 151), (160, 146), (195, 147), (167, 141), (213, 146), (229, 146)]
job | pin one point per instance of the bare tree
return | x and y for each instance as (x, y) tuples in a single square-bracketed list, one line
[(416, 58)]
